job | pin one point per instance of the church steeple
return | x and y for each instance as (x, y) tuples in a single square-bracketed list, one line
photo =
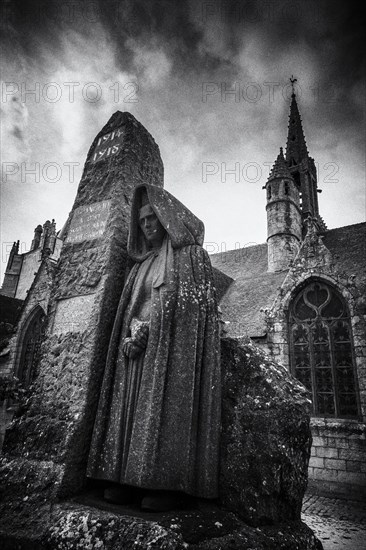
[(292, 195), (301, 165), (296, 149)]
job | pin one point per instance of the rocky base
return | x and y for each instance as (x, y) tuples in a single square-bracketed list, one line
[(73, 525), (265, 449), (266, 437)]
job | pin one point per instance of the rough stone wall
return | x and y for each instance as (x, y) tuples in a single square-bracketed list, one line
[(265, 443), (338, 456), (314, 262), (56, 428), (30, 266), (39, 295)]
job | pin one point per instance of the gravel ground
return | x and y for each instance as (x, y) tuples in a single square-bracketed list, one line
[(339, 524)]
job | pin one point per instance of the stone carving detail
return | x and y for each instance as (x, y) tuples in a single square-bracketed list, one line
[(88, 222), (80, 271), (73, 314), (313, 253)]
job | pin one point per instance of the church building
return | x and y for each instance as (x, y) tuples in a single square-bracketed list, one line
[(301, 297)]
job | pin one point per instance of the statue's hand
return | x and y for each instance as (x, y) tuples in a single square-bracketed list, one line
[(131, 349), (140, 336), (134, 346)]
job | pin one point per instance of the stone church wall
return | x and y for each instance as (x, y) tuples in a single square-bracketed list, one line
[(30, 266), (38, 296), (338, 455)]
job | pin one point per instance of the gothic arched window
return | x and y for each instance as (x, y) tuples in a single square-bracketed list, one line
[(30, 346), (321, 350), (269, 192)]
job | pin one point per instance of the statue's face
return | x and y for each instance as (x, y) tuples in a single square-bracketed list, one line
[(150, 226)]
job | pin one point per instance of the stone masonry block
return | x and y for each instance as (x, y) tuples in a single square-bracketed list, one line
[(333, 464), (316, 462), (352, 454), (359, 444), (341, 443), (327, 475), (319, 441), (353, 466), (327, 452)]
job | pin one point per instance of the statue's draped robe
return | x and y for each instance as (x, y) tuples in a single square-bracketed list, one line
[(158, 419)]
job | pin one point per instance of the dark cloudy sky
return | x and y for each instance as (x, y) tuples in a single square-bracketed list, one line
[(172, 64)]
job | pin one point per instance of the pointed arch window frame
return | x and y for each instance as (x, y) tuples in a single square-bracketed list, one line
[(317, 371), (35, 315)]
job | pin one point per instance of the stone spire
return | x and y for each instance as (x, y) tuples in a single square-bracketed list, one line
[(296, 149), (37, 237), (279, 169), (301, 165)]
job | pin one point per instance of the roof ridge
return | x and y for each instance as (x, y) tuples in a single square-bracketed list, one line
[(344, 226)]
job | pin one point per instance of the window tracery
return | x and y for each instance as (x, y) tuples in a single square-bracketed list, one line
[(321, 350)]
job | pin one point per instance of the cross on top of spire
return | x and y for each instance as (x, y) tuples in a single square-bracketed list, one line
[(293, 80)]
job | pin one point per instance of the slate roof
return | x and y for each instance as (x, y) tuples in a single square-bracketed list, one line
[(254, 288), (222, 283), (348, 247)]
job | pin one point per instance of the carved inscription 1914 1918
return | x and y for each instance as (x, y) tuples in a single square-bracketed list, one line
[(108, 145)]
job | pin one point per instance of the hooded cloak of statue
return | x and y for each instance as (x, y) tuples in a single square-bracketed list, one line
[(158, 419)]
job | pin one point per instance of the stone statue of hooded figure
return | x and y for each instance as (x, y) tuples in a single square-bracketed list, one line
[(158, 420)]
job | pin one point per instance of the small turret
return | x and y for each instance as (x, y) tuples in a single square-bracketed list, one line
[(13, 252), (284, 220), (12, 271), (48, 238), (37, 237)]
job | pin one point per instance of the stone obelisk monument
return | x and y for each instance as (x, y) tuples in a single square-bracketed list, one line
[(46, 448)]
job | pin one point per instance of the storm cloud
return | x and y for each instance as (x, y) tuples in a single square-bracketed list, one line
[(209, 80)]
